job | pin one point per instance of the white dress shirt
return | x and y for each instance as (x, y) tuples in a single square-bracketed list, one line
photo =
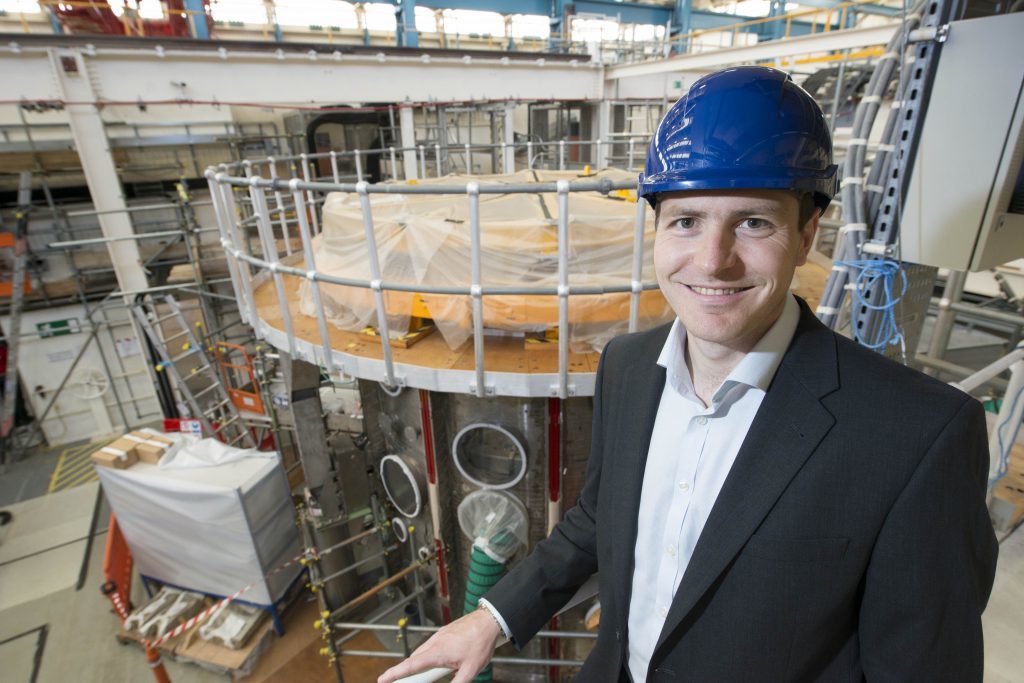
[(692, 450)]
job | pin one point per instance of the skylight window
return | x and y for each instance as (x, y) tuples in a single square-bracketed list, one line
[(148, 9), (426, 22), (466, 21), (380, 17), (19, 6), (244, 11), (645, 32), (530, 26), (594, 30), (315, 13)]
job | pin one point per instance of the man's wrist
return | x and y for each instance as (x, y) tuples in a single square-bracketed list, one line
[(503, 633)]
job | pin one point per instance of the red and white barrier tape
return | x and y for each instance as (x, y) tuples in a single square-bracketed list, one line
[(181, 628)]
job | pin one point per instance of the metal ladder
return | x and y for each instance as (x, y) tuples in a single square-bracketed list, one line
[(191, 371)]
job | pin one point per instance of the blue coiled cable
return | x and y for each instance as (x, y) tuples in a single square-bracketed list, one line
[(869, 274)]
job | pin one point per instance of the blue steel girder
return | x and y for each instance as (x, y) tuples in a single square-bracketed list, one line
[(701, 20), (625, 12), (405, 26), (197, 16), (638, 13)]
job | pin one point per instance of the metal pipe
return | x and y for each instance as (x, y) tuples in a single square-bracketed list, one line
[(433, 500), (375, 284), (456, 291), (523, 661), (349, 541), (310, 199), (380, 615), (957, 370), (106, 240), (279, 208), (311, 275), (360, 563), (266, 234), (563, 289), (946, 317), (334, 166), (473, 190), (231, 241), (969, 384), (366, 595), (415, 628), (636, 285), (999, 316), (603, 185)]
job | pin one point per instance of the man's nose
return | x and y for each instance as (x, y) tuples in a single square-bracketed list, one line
[(715, 251)]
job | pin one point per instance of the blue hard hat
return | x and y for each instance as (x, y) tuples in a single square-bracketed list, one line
[(744, 127)]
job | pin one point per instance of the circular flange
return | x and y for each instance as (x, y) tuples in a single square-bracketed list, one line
[(399, 498), (463, 470)]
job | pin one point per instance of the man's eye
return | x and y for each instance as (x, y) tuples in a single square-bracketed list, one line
[(755, 224), (685, 223)]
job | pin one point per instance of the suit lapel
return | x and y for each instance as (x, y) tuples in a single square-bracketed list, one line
[(789, 425), (637, 411)]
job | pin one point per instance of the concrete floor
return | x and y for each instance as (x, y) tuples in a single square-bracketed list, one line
[(68, 634)]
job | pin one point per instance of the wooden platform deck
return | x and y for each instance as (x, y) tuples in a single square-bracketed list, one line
[(502, 353)]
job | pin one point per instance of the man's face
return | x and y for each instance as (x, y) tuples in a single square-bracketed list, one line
[(725, 260)]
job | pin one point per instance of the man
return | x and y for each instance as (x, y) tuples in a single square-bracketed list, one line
[(765, 500)]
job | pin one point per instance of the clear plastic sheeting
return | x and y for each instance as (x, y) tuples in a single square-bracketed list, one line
[(208, 529), (495, 521), (192, 452), (424, 240)]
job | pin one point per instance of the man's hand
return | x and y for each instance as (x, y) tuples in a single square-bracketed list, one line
[(465, 646)]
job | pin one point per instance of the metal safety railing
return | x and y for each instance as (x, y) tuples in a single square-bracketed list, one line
[(437, 160), (270, 213)]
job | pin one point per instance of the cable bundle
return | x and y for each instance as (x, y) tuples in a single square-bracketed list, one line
[(870, 274)]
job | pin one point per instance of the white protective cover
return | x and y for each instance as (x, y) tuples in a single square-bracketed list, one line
[(424, 240), (211, 529)]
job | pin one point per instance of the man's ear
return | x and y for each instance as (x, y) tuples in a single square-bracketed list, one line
[(810, 229)]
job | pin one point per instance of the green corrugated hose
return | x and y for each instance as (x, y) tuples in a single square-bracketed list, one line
[(484, 572)]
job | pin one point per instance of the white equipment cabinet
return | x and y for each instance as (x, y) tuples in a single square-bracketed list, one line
[(212, 529)]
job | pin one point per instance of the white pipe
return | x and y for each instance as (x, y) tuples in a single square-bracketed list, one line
[(585, 592), (974, 381)]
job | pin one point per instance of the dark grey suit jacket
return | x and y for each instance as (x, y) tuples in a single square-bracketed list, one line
[(850, 540)]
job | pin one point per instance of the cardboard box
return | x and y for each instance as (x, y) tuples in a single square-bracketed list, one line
[(120, 454), (148, 448)]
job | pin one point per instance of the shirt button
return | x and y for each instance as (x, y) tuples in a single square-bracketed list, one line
[(684, 486), (702, 420), (671, 550), (664, 612)]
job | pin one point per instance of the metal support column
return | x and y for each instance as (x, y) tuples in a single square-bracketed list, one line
[(408, 132), (303, 382), (509, 138), (602, 130), (87, 130), (939, 342), (197, 19), (408, 36), (682, 21)]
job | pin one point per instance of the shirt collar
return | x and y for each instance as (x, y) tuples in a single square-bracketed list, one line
[(757, 369)]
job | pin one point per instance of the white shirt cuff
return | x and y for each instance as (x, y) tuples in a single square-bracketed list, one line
[(482, 602)]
